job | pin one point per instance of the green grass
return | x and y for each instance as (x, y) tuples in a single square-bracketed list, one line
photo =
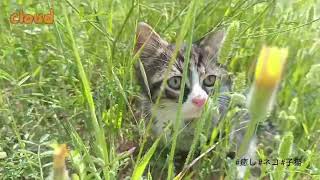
[(73, 82)]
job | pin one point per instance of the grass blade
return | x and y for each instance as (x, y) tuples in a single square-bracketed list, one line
[(139, 169), (98, 131)]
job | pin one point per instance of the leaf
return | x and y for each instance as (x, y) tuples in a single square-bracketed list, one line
[(293, 106), (6, 76), (285, 147), (44, 138), (139, 169), (285, 150), (313, 75)]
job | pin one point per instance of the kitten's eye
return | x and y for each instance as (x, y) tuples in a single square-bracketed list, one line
[(174, 82), (209, 80)]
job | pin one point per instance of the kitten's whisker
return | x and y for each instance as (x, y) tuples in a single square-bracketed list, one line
[(235, 131)]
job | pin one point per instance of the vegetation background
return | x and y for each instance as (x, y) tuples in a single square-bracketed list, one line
[(73, 82)]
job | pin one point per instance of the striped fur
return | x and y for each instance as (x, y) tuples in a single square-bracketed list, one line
[(203, 71)]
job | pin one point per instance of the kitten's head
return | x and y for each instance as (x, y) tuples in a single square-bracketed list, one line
[(203, 71)]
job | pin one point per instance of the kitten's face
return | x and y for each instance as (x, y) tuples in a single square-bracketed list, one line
[(203, 72)]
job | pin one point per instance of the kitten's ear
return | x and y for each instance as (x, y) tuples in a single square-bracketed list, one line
[(210, 44), (148, 39)]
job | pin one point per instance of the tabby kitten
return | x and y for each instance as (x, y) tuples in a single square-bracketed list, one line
[(204, 71)]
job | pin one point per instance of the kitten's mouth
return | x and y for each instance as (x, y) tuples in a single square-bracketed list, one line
[(197, 108), (192, 112)]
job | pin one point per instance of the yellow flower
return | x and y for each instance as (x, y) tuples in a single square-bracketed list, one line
[(60, 154), (270, 66), (262, 94), (60, 171)]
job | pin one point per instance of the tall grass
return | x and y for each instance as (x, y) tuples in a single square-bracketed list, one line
[(73, 82)]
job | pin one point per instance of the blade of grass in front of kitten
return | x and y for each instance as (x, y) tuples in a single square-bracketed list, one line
[(188, 24), (197, 133), (141, 166), (98, 131)]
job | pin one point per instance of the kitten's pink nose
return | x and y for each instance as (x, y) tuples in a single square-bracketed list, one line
[(199, 102)]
